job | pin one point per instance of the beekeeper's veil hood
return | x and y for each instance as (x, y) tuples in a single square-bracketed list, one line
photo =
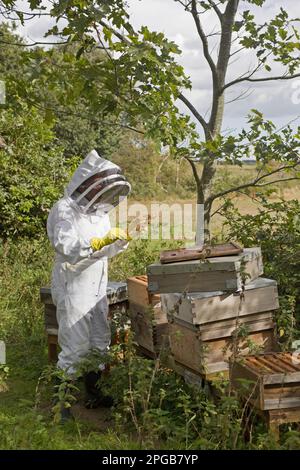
[(97, 184)]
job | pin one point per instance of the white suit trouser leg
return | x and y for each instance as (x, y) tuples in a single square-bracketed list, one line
[(92, 331)]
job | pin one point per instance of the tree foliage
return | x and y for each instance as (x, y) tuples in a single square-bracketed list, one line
[(33, 172), (136, 81)]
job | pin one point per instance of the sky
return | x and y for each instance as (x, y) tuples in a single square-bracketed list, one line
[(277, 100)]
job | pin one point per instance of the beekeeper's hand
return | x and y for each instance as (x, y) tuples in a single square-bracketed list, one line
[(113, 235)]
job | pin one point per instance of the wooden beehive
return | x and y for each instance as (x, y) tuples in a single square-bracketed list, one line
[(207, 350), (203, 308), (149, 323), (273, 380), (226, 273)]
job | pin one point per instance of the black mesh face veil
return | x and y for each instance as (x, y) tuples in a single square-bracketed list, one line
[(101, 190)]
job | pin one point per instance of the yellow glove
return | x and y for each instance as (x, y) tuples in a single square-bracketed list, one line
[(113, 235)]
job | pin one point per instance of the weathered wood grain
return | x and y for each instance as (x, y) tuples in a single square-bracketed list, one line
[(149, 323), (189, 348), (216, 274), (200, 252), (260, 295), (277, 376)]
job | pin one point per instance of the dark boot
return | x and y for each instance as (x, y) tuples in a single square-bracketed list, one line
[(94, 397), (65, 415)]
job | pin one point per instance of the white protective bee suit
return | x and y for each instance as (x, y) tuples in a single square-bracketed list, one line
[(79, 277)]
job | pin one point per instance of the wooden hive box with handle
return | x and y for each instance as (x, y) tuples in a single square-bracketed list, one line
[(204, 308), (273, 380), (227, 273), (149, 323), (205, 327), (207, 352)]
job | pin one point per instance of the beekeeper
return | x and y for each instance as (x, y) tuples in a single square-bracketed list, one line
[(79, 230)]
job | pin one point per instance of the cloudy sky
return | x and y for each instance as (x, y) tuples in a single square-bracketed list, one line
[(274, 99)]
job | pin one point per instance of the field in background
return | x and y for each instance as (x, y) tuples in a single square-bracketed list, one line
[(227, 176)]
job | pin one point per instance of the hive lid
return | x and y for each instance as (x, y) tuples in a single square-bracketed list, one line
[(226, 263)]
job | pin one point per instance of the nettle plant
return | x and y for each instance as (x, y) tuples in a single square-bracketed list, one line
[(139, 81)]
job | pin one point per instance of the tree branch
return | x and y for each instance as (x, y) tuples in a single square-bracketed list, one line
[(257, 180), (217, 111), (197, 115), (216, 9), (86, 117), (226, 38), (261, 79), (115, 32), (33, 43), (203, 38), (277, 181), (195, 172)]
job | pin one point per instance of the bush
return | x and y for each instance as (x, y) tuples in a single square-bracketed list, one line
[(33, 173), (276, 228)]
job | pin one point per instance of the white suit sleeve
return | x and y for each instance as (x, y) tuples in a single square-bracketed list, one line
[(67, 242)]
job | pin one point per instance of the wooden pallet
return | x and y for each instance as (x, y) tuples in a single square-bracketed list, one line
[(213, 274), (149, 323)]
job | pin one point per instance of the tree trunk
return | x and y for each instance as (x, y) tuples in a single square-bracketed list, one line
[(203, 226)]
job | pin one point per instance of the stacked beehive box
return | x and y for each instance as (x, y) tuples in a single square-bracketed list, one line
[(271, 384), (216, 308), (149, 323)]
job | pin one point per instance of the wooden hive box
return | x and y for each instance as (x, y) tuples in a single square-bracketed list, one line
[(274, 380), (203, 308), (206, 350), (213, 274), (149, 323)]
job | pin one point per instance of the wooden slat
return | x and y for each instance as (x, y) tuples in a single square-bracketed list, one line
[(149, 324), (137, 292), (201, 252), (222, 280), (288, 415), (228, 331), (278, 362), (281, 403), (189, 349), (273, 362)]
